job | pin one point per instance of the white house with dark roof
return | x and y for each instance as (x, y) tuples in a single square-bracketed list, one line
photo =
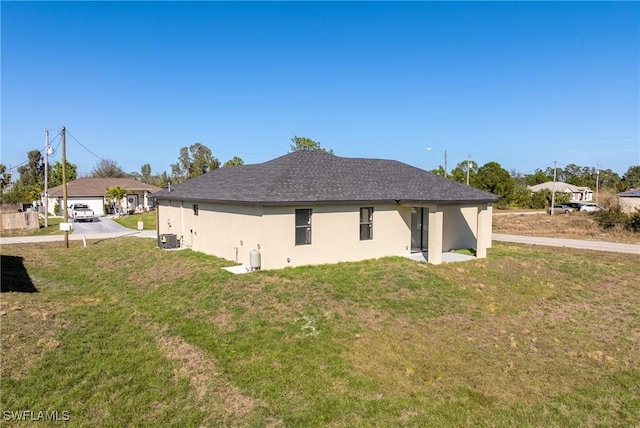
[(576, 193), (92, 192), (312, 207)]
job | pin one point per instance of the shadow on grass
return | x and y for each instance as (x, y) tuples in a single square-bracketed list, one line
[(14, 276)]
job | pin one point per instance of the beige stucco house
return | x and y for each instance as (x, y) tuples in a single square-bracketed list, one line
[(576, 193), (630, 200), (91, 191), (311, 207)]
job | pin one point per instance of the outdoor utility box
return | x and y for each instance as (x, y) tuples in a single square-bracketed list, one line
[(168, 240)]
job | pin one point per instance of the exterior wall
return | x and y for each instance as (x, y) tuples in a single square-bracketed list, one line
[(232, 232), (460, 227), (335, 235), (630, 204), (226, 231)]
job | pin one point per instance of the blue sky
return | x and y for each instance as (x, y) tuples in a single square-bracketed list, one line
[(522, 84)]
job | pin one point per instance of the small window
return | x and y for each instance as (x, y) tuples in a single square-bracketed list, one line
[(366, 223), (303, 227), (195, 209)]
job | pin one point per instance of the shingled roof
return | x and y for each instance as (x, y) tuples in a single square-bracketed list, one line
[(314, 176), (90, 186)]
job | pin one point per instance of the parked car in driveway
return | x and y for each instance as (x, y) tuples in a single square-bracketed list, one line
[(561, 209), (80, 212)]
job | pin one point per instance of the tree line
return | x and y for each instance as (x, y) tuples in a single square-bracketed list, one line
[(198, 159), (194, 160)]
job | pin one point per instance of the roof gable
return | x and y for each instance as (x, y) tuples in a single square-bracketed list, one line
[(320, 177)]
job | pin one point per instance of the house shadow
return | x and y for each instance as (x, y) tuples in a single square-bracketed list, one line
[(14, 276)]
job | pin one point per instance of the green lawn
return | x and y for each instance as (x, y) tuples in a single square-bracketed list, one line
[(122, 333), (149, 220)]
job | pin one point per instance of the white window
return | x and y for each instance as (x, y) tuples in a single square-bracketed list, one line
[(303, 227)]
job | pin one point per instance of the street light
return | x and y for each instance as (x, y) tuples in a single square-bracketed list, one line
[(445, 158)]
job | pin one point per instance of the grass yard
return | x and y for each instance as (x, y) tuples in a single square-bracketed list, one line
[(577, 225), (123, 334), (149, 220)]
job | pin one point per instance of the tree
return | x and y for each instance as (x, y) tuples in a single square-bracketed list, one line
[(304, 143), (115, 195), (193, 161), (108, 168), (32, 173), (234, 162), (493, 178), (459, 173), (55, 173), (5, 177), (145, 172), (537, 177), (631, 178)]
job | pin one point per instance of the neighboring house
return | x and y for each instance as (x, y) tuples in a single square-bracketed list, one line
[(91, 191), (576, 193), (311, 207), (630, 200)]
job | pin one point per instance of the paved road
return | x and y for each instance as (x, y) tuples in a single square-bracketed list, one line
[(100, 228), (614, 247)]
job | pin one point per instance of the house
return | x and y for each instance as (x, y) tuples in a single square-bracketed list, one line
[(91, 191), (312, 207), (630, 200), (576, 193)]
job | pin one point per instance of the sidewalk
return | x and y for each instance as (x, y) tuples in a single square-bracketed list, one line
[(76, 237), (613, 247)]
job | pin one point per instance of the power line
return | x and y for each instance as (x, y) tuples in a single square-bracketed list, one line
[(85, 147)]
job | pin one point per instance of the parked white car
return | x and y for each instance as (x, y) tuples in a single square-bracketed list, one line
[(590, 207)]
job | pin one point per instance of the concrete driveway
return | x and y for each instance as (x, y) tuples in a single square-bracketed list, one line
[(100, 228), (98, 225)]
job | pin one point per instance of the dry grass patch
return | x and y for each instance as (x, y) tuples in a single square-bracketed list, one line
[(29, 327), (209, 388), (577, 225)]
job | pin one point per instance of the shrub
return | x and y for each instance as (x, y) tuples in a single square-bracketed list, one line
[(56, 209), (613, 217), (634, 221)]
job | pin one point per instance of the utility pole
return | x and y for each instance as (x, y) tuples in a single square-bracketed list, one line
[(445, 164), (553, 189), (597, 180), (468, 167), (46, 178), (64, 185)]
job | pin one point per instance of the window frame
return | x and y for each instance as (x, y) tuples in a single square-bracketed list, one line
[(366, 225), (307, 227)]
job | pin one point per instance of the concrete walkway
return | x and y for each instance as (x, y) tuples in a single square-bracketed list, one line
[(613, 247), (76, 237)]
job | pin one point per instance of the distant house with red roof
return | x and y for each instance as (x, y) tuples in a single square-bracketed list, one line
[(91, 191)]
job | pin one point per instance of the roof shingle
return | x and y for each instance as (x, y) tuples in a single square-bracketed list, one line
[(90, 186), (320, 177)]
